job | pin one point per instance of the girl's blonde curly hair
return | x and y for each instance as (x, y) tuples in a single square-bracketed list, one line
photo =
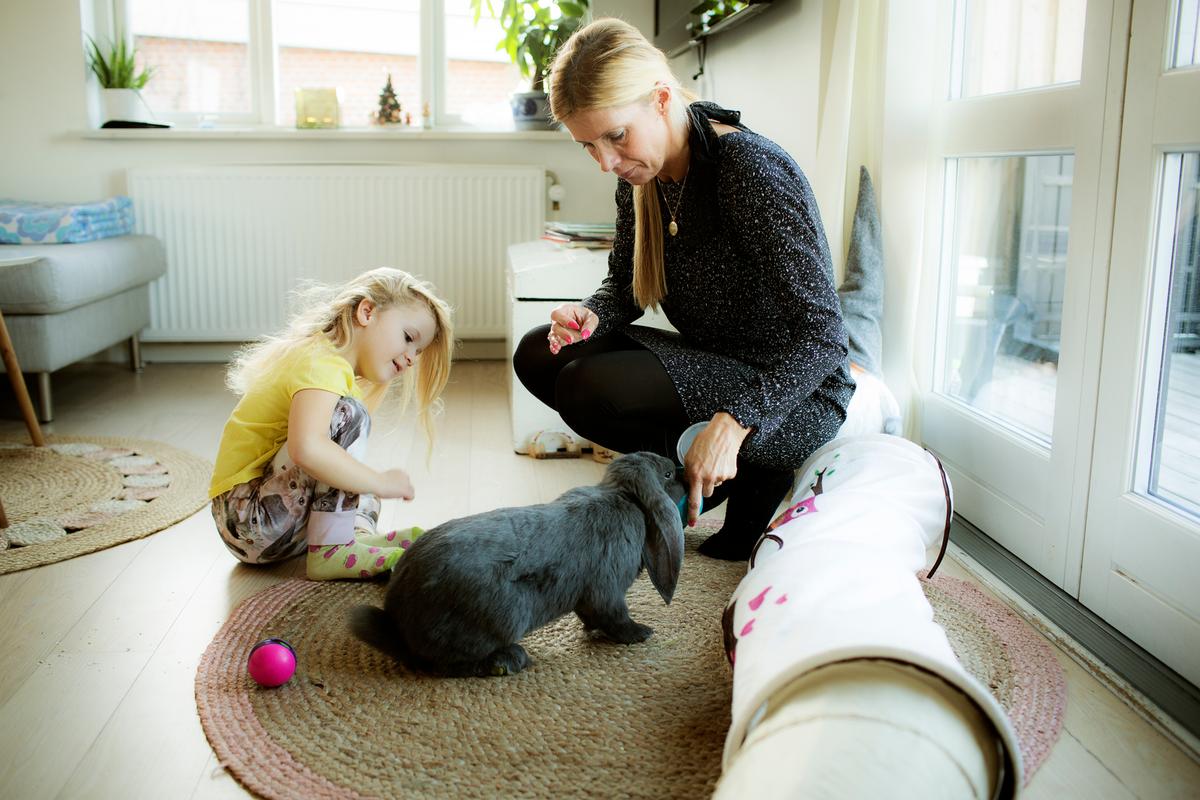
[(329, 312)]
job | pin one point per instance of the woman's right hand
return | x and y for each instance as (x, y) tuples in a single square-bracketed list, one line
[(571, 323), (712, 459), (395, 483)]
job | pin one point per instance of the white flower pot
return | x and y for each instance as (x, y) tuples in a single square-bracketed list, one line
[(125, 105), (531, 111)]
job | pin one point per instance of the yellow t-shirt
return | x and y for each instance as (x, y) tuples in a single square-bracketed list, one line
[(259, 423)]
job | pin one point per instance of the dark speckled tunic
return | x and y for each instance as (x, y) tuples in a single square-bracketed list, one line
[(750, 290)]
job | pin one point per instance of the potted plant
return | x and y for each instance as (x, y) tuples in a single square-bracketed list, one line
[(120, 81), (533, 32)]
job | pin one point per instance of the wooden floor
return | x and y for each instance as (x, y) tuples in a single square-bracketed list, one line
[(98, 654)]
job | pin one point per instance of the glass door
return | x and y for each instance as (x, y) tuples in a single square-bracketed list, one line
[(1021, 172), (1141, 555)]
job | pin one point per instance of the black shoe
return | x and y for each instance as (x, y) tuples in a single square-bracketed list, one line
[(752, 501)]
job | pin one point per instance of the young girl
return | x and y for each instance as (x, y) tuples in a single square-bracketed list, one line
[(289, 474)]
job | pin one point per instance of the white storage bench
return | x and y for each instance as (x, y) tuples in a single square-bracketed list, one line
[(542, 275)]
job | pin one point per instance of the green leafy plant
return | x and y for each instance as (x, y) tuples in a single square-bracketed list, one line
[(533, 31), (709, 12), (115, 68)]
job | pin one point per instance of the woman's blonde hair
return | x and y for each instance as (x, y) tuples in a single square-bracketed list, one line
[(609, 64), (329, 311)]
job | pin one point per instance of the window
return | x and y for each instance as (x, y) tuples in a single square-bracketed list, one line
[(353, 45), (1007, 219), (1173, 463), (479, 78), (1011, 45), (200, 54), (1184, 43), (243, 60)]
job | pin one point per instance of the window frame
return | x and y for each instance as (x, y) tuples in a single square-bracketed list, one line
[(112, 15)]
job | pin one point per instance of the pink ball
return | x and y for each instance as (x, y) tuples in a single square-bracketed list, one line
[(272, 662)]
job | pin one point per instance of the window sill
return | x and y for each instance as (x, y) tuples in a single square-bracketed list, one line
[(339, 134)]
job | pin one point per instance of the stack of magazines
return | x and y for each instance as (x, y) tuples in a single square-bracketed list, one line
[(596, 236)]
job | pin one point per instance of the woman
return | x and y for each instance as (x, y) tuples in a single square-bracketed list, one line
[(719, 227)]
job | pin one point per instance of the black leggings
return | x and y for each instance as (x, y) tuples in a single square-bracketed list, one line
[(610, 390), (616, 393)]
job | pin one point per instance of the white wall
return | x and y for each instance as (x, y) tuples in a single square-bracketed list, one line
[(769, 68)]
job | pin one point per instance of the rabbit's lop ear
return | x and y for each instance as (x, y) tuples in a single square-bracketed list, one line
[(646, 475)]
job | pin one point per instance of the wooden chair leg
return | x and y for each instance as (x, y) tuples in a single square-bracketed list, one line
[(18, 383)]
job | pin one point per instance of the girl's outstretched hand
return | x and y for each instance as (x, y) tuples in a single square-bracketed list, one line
[(571, 323), (395, 483)]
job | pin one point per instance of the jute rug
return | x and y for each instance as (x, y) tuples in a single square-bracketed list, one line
[(82, 494), (588, 719)]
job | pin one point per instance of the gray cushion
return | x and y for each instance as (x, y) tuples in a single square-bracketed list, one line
[(66, 276), (861, 293), (46, 342)]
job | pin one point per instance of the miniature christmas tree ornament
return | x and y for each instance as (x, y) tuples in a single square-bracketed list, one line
[(389, 111)]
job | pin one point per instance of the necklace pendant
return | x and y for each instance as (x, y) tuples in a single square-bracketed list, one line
[(673, 228)]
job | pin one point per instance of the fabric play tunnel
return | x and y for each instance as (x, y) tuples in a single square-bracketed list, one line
[(844, 686)]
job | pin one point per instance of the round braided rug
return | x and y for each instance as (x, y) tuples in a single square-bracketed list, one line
[(587, 719), (82, 494), (1008, 656)]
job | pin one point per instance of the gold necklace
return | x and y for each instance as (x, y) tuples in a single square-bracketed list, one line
[(673, 228)]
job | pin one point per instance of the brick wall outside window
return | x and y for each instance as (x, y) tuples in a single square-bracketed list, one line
[(196, 76), (214, 77)]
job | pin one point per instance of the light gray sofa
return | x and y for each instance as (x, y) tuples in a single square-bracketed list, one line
[(64, 302)]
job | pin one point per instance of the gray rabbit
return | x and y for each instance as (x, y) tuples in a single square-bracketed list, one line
[(466, 593)]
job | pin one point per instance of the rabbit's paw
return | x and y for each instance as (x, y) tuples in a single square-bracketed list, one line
[(506, 661), (628, 632)]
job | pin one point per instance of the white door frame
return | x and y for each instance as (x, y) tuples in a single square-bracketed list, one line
[(1141, 557)]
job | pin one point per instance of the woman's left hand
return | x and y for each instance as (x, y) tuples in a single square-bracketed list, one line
[(712, 459), (571, 323)]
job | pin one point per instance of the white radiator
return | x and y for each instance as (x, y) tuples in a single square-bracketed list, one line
[(239, 239)]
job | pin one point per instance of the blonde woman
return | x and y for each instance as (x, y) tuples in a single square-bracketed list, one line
[(289, 478), (717, 226)]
